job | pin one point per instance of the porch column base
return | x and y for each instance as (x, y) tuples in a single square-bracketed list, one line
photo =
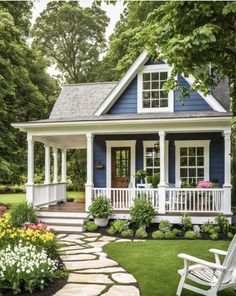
[(88, 195), (226, 202), (30, 193), (162, 198)]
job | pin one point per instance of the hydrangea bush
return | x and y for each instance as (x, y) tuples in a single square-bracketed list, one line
[(25, 267)]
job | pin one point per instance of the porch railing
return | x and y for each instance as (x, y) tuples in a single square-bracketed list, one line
[(175, 199), (194, 199), (122, 198), (46, 194)]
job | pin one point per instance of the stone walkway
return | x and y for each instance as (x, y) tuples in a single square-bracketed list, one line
[(91, 272)]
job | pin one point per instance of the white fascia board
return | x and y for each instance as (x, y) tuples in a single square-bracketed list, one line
[(122, 84), (211, 101), (29, 126)]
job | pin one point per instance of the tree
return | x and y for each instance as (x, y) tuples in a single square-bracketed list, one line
[(126, 29), (26, 92), (72, 37)]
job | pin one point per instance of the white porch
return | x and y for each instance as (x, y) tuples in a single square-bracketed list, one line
[(166, 201)]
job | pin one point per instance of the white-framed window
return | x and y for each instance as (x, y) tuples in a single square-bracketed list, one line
[(151, 158), (152, 97), (192, 161)]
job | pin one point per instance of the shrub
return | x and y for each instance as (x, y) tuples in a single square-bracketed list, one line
[(230, 235), (165, 225), (24, 266), (118, 226), (21, 213), (176, 231), (214, 236), (127, 233), (111, 231), (141, 233), (170, 235), (186, 222), (100, 207), (142, 211), (158, 235), (222, 222), (191, 235), (70, 199), (155, 180), (91, 226), (210, 228)]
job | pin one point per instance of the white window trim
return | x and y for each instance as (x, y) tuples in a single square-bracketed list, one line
[(151, 144), (120, 143), (151, 69), (201, 143)]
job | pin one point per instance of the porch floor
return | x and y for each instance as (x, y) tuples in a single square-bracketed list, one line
[(66, 207)]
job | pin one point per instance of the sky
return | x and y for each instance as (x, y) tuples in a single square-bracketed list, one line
[(112, 11)]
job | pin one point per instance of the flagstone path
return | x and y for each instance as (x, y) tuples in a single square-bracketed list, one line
[(91, 273)]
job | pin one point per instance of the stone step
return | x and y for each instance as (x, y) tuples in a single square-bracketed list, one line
[(62, 214)]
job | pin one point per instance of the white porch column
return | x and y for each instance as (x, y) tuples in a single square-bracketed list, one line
[(162, 184), (30, 182), (89, 183), (55, 165), (47, 164), (63, 165), (226, 204)]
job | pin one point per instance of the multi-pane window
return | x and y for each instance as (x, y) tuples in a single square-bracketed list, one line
[(153, 93), (152, 159), (122, 162), (191, 164)]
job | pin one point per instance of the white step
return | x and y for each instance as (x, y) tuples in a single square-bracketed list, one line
[(62, 214), (69, 221)]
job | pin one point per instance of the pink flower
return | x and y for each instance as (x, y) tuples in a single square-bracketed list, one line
[(204, 184), (2, 209)]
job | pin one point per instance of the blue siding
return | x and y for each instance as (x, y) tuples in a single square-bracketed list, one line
[(127, 102), (194, 102), (216, 153)]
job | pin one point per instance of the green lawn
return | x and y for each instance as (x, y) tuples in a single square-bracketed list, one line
[(13, 198), (154, 263)]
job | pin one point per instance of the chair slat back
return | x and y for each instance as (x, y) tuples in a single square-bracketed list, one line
[(230, 261)]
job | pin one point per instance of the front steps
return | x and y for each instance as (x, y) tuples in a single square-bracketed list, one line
[(66, 222)]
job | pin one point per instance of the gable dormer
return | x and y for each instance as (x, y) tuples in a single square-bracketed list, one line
[(141, 91)]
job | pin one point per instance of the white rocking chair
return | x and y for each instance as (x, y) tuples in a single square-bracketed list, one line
[(217, 276)]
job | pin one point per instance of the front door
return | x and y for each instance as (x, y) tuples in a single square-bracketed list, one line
[(120, 169)]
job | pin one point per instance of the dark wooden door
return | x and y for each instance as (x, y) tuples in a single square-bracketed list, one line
[(120, 169)]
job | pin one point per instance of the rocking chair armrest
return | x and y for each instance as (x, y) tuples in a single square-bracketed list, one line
[(218, 252), (200, 261)]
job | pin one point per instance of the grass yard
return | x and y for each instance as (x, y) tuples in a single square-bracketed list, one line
[(13, 198), (154, 263)]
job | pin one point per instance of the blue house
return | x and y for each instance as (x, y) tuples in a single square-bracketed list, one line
[(134, 125)]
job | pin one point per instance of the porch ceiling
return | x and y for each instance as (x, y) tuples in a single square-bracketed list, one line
[(64, 141)]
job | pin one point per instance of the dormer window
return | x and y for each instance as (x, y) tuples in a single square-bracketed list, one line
[(152, 97)]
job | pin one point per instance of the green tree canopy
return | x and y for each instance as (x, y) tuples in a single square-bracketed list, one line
[(72, 37)]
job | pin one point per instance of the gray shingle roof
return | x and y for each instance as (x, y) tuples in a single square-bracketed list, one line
[(80, 99)]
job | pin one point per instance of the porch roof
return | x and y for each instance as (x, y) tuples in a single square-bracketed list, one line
[(129, 117)]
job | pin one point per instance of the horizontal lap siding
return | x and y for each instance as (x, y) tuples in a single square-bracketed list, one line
[(100, 153), (127, 102), (216, 153), (194, 102)]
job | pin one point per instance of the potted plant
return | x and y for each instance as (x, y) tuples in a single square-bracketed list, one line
[(101, 210), (141, 176)]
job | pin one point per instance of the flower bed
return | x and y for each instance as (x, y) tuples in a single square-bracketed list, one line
[(28, 257)]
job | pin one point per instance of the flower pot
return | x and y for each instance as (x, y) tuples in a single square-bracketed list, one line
[(101, 222)]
